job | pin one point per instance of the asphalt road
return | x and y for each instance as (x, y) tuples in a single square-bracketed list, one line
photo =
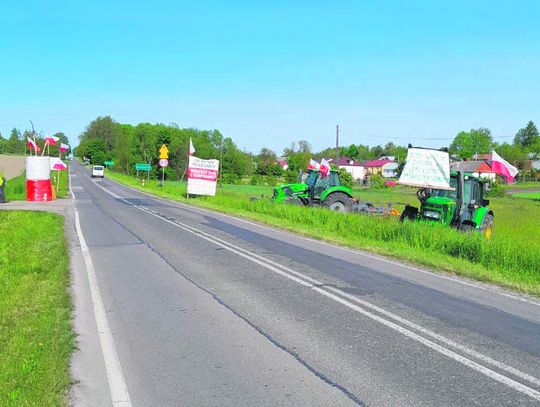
[(207, 310)]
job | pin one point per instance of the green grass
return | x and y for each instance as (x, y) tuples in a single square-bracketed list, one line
[(528, 195), (16, 187), (36, 339), (511, 259), (523, 185)]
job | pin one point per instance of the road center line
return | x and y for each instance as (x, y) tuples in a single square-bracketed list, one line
[(313, 284), (115, 376)]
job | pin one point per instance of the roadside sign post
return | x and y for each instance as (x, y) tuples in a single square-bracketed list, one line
[(143, 167), (163, 161)]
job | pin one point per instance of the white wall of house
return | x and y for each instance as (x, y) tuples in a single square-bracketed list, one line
[(357, 172), (390, 170)]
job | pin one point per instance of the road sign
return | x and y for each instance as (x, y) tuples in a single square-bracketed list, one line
[(109, 163), (163, 162), (163, 152), (143, 167)]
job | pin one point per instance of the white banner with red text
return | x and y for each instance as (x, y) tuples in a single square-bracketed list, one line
[(202, 176)]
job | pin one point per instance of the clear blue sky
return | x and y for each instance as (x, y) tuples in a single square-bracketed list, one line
[(270, 73)]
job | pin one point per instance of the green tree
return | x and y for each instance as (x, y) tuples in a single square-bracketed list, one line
[(527, 136), (468, 143)]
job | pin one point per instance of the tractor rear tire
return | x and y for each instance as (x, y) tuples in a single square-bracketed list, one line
[(409, 213), (339, 202), (487, 226)]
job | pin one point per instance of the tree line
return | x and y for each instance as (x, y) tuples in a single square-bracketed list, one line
[(105, 139), (16, 143)]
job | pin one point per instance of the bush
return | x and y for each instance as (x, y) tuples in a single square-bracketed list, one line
[(345, 178), (496, 190), (377, 182), (229, 178), (290, 176)]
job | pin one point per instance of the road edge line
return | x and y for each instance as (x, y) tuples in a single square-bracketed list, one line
[(115, 377)]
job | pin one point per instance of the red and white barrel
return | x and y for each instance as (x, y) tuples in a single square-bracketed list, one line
[(38, 179)]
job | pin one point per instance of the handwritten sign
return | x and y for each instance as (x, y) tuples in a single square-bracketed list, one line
[(426, 168)]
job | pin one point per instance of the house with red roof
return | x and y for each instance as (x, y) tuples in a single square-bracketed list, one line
[(353, 167), (384, 167)]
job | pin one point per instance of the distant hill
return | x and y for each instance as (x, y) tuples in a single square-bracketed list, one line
[(12, 165)]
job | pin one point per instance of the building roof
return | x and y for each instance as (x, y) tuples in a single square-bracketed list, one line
[(391, 166), (349, 162), (467, 166), (376, 163)]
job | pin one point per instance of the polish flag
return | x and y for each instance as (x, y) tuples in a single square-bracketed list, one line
[(60, 166), (51, 140), (191, 148), (324, 168), (502, 167), (32, 145), (313, 165), (63, 147)]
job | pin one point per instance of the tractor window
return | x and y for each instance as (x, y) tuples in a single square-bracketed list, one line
[(471, 191), (447, 194), (312, 178), (334, 180)]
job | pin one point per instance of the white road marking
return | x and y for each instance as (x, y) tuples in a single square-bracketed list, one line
[(115, 377), (313, 284), (494, 290)]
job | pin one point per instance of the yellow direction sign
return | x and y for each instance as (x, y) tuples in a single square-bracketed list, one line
[(164, 152)]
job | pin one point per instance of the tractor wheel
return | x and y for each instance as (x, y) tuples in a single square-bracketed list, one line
[(409, 213), (487, 226), (338, 202)]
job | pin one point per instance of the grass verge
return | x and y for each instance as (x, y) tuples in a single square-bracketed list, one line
[(510, 261), (16, 187), (36, 339)]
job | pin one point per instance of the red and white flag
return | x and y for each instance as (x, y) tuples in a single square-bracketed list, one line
[(32, 145), (51, 140), (502, 167), (191, 148), (313, 165), (63, 147), (324, 168), (60, 166)]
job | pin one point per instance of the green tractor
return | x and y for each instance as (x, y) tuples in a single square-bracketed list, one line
[(463, 208), (314, 189)]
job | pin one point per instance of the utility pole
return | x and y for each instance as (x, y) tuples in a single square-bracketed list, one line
[(337, 145)]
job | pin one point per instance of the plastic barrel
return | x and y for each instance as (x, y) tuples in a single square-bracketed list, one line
[(38, 179)]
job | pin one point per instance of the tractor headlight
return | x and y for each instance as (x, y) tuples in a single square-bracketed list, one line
[(432, 215)]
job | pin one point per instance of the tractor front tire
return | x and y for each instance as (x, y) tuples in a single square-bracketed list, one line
[(339, 202), (487, 226), (409, 213)]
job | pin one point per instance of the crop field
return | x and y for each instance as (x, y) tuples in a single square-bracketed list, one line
[(511, 259)]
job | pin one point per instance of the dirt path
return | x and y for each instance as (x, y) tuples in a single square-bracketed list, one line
[(12, 165)]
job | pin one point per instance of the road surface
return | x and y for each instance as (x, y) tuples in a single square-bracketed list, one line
[(195, 308)]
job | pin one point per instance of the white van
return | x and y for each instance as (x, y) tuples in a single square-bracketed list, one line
[(98, 171)]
